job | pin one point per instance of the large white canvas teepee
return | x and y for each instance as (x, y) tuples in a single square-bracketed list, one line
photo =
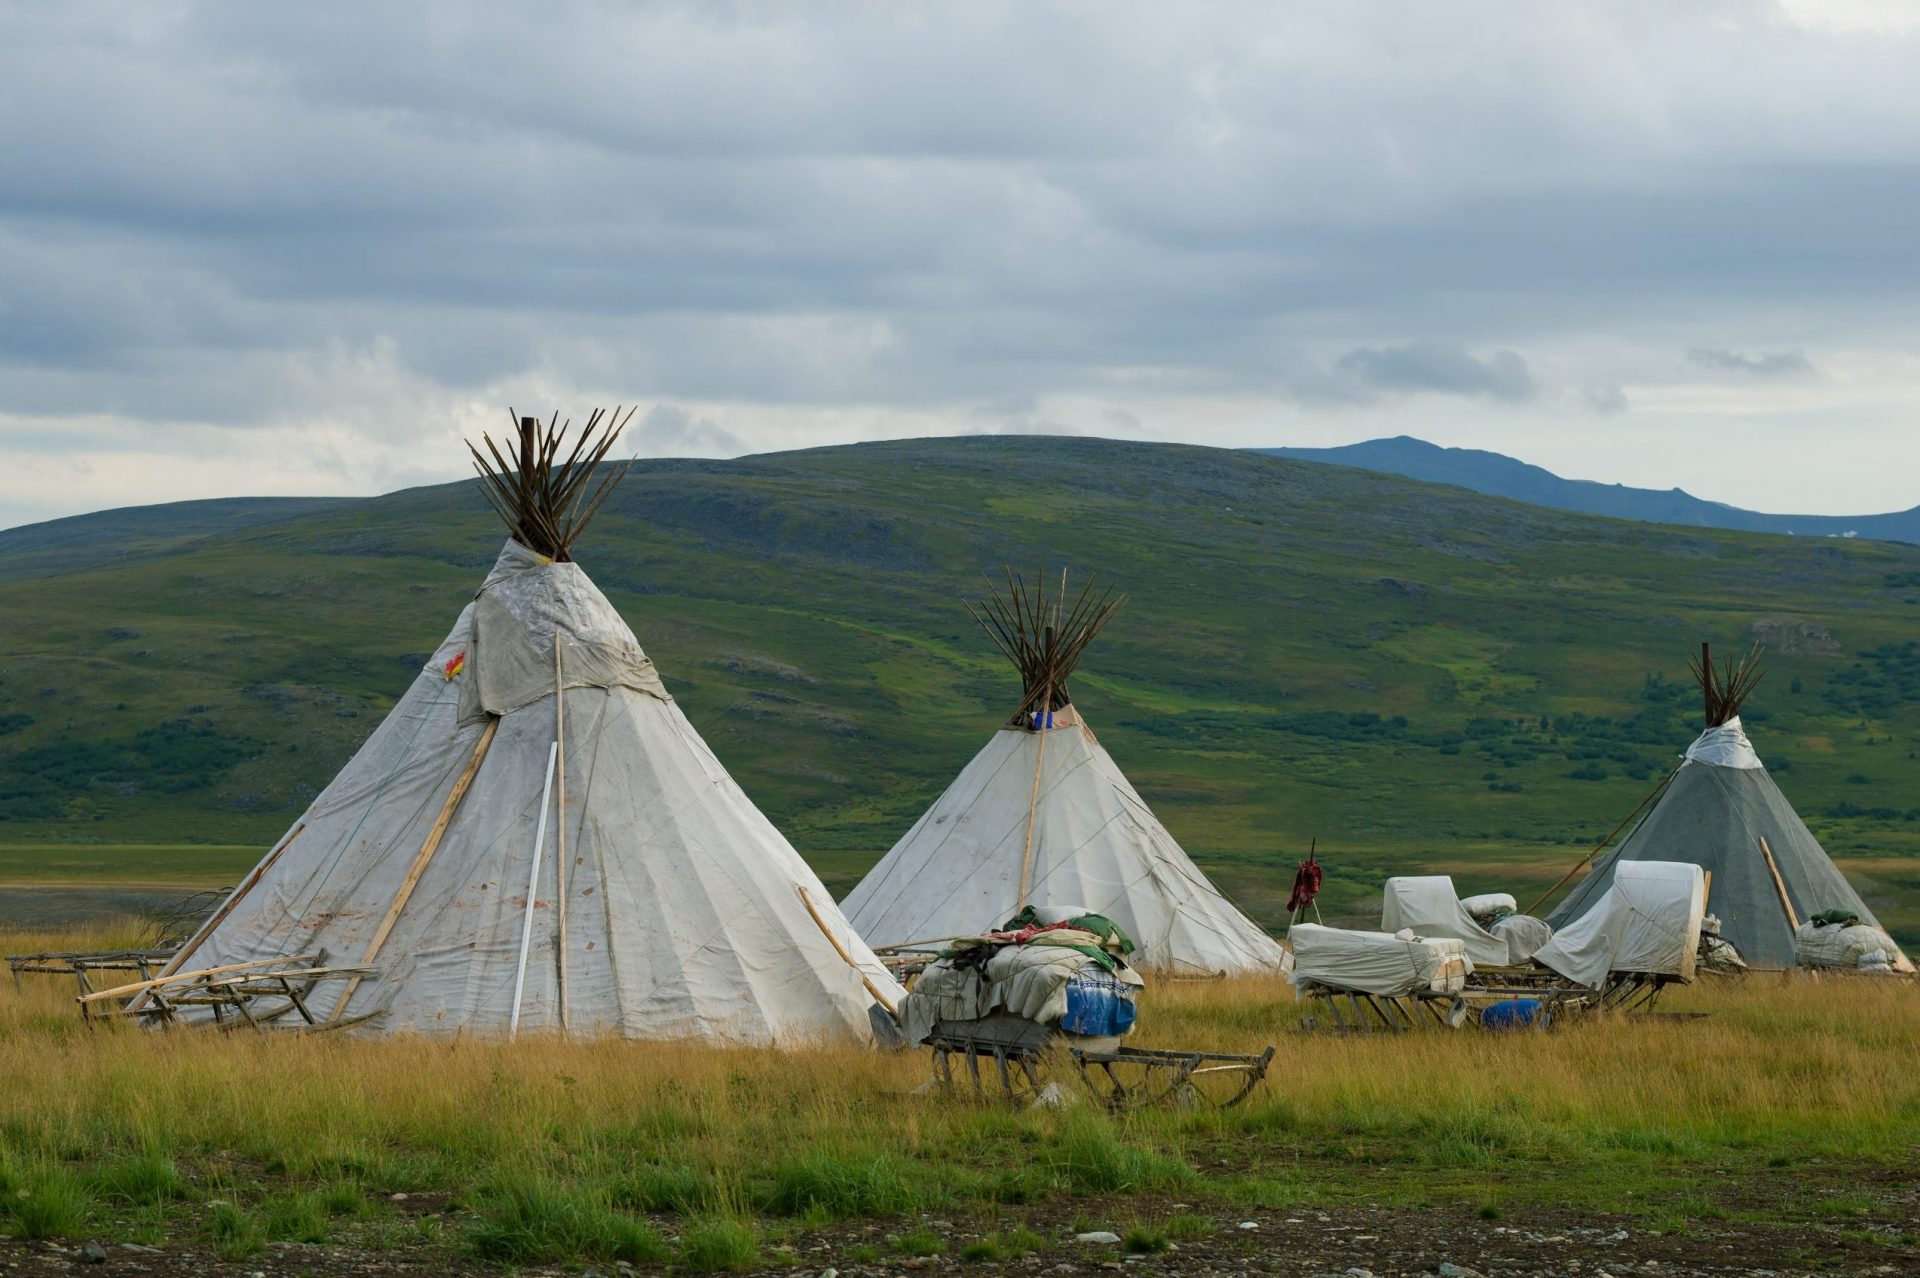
[(665, 904), (1044, 817)]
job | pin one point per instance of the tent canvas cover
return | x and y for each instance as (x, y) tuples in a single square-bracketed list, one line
[(676, 910), (1043, 816)]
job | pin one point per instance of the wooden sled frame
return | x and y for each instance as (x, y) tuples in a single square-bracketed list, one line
[(1169, 1076), (1630, 993), (256, 995), (1365, 1012), (81, 965), (1021, 1052)]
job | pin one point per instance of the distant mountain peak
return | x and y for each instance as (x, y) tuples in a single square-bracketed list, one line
[(1497, 475)]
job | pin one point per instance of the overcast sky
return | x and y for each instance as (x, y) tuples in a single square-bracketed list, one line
[(262, 248)]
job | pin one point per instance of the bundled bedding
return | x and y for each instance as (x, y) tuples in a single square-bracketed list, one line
[(1837, 939), (1059, 967)]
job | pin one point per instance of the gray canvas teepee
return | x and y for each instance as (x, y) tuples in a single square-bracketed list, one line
[(537, 837), (1723, 812), (1044, 817)]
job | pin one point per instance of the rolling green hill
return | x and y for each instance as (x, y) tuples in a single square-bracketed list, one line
[(1420, 676)]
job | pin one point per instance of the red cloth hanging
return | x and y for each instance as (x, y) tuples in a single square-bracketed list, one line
[(1306, 885)]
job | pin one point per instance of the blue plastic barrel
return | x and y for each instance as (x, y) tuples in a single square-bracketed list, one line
[(1515, 1013)]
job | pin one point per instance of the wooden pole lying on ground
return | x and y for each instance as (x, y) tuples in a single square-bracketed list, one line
[(427, 848), (533, 882), (120, 991), (1793, 920), (562, 869), (841, 950)]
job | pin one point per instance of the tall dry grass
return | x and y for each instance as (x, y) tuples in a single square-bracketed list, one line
[(1780, 1071)]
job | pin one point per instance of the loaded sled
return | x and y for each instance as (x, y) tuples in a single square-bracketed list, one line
[(1052, 992)]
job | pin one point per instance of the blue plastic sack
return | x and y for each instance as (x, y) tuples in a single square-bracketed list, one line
[(1098, 1005), (1515, 1013)]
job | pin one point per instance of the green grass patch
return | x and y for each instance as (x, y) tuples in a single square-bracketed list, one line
[(531, 1219), (1187, 1227), (921, 1242), (143, 1178), (1089, 1156), (235, 1232), (714, 1244), (843, 1185), (48, 1204), (1145, 1240)]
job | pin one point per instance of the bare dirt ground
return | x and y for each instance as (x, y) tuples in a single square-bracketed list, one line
[(1801, 1233)]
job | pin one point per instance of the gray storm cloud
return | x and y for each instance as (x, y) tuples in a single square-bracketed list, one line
[(1440, 367), (345, 232), (1769, 364)]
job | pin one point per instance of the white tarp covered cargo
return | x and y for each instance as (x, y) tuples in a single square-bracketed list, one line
[(686, 914), (1855, 947), (1523, 934), (1648, 922), (1428, 904), (1095, 844), (1377, 962)]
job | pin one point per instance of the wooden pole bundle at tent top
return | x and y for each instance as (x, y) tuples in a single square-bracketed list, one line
[(1723, 692), (545, 502), (1043, 635)]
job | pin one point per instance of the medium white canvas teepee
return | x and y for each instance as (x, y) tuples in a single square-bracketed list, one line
[(664, 904), (1044, 817)]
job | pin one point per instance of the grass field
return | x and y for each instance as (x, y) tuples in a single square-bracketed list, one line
[(1793, 1106)]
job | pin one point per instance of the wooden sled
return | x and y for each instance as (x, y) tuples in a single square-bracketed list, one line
[(257, 995), (1359, 1011), (83, 965), (1010, 1058)]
